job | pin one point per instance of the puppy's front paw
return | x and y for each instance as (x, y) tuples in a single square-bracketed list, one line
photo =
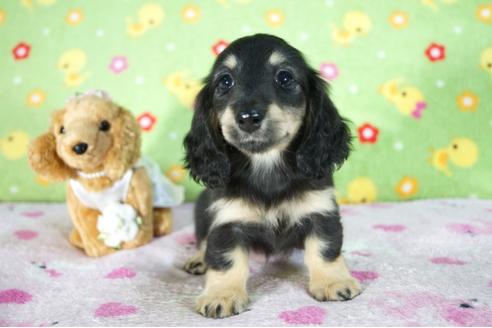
[(221, 304), (342, 290), (196, 264)]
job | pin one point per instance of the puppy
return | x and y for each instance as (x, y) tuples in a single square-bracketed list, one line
[(265, 139)]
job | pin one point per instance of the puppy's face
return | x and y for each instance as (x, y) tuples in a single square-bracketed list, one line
[(260, 96), (258, 87)]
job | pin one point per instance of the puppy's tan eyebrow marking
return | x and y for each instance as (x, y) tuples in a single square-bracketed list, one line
[(276, 58), (230, 62)]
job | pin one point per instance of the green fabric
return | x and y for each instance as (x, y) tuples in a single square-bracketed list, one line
[(357, 36)]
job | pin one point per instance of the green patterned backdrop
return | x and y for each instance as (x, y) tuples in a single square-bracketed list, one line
[(413, 76)]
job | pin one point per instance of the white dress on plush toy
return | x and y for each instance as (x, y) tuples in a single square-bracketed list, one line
[(119, 222)]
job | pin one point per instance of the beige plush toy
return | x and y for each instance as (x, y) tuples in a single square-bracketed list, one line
[(116, 200)]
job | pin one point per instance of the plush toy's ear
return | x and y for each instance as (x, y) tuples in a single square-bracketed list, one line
[(126, 145), (325, 143), (204, 145), (43, 158)]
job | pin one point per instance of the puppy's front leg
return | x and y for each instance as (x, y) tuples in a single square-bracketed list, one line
[(329, 277), (225, 287)]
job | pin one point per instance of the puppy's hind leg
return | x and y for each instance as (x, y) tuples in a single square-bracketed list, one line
[(196, 264)]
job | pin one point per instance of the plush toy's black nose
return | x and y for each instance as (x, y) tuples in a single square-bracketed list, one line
[(80, 148), (249, 120)]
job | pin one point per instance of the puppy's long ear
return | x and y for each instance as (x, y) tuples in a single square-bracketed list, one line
[(325, 144), (43, 157), (204, 145), (126, 145)]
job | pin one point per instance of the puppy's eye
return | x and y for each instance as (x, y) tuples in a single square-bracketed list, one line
[(285, 79), (226, 82), (104, 125), (62, 130)]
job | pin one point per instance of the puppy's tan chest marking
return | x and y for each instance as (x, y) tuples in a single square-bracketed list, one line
[(239, 210)]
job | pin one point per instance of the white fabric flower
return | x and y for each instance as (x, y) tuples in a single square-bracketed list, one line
[(118, 223)]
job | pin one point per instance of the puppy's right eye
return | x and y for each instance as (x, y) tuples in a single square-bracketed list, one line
[(62, 130), (226, 82)]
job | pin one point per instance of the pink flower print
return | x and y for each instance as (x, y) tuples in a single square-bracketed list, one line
[(118, 64), (328, 71)]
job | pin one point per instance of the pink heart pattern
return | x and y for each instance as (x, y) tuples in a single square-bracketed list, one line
[(307, 315), (390, 227), (26, 234), (121, 273), (114, 309), (364, 275), (15, 296), (446, 260)]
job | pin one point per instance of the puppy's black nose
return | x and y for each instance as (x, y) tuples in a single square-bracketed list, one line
[(249, 120), (80, 148)]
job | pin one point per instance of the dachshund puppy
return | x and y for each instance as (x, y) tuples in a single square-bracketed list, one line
[(265, 140)]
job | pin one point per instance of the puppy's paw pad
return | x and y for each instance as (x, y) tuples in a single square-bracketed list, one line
[(222, 304), (343, 290), (195, 266)]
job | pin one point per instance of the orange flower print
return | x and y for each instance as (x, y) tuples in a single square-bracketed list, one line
[(398, 20), (176, 173), (275, 17), (467, 101), (484, 13), (190, 13), (74, 17), (36, 98), (407, 187)]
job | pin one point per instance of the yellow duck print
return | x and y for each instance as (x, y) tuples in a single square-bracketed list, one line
[(360, 190), (355, 24), (72, 63), (432, 3), (149, 16), (462, 152), (408, 99), (184, 88), (29, 3), (486, 60), (14, 145)]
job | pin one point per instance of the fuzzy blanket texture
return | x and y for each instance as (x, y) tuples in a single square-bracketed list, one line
[(420, 263)]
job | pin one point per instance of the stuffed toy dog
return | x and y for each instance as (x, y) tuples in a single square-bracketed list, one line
[(116, 200)]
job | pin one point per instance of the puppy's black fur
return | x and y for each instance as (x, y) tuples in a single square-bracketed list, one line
[(319, 146)]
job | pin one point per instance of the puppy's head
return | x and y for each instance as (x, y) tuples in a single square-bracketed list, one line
[(262, 96)]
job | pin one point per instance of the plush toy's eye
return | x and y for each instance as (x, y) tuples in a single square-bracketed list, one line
[(285, 79), (104, 125), (62, 130), (226, 82)]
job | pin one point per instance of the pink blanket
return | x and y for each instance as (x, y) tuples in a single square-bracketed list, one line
[(420, 263)]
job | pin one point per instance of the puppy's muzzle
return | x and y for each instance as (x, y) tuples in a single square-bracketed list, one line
[(249, 120)]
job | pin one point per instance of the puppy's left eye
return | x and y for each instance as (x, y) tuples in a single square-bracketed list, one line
[(104, 125), (285, 79)]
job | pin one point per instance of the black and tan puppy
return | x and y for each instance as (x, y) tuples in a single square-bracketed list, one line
[(265, 140)]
